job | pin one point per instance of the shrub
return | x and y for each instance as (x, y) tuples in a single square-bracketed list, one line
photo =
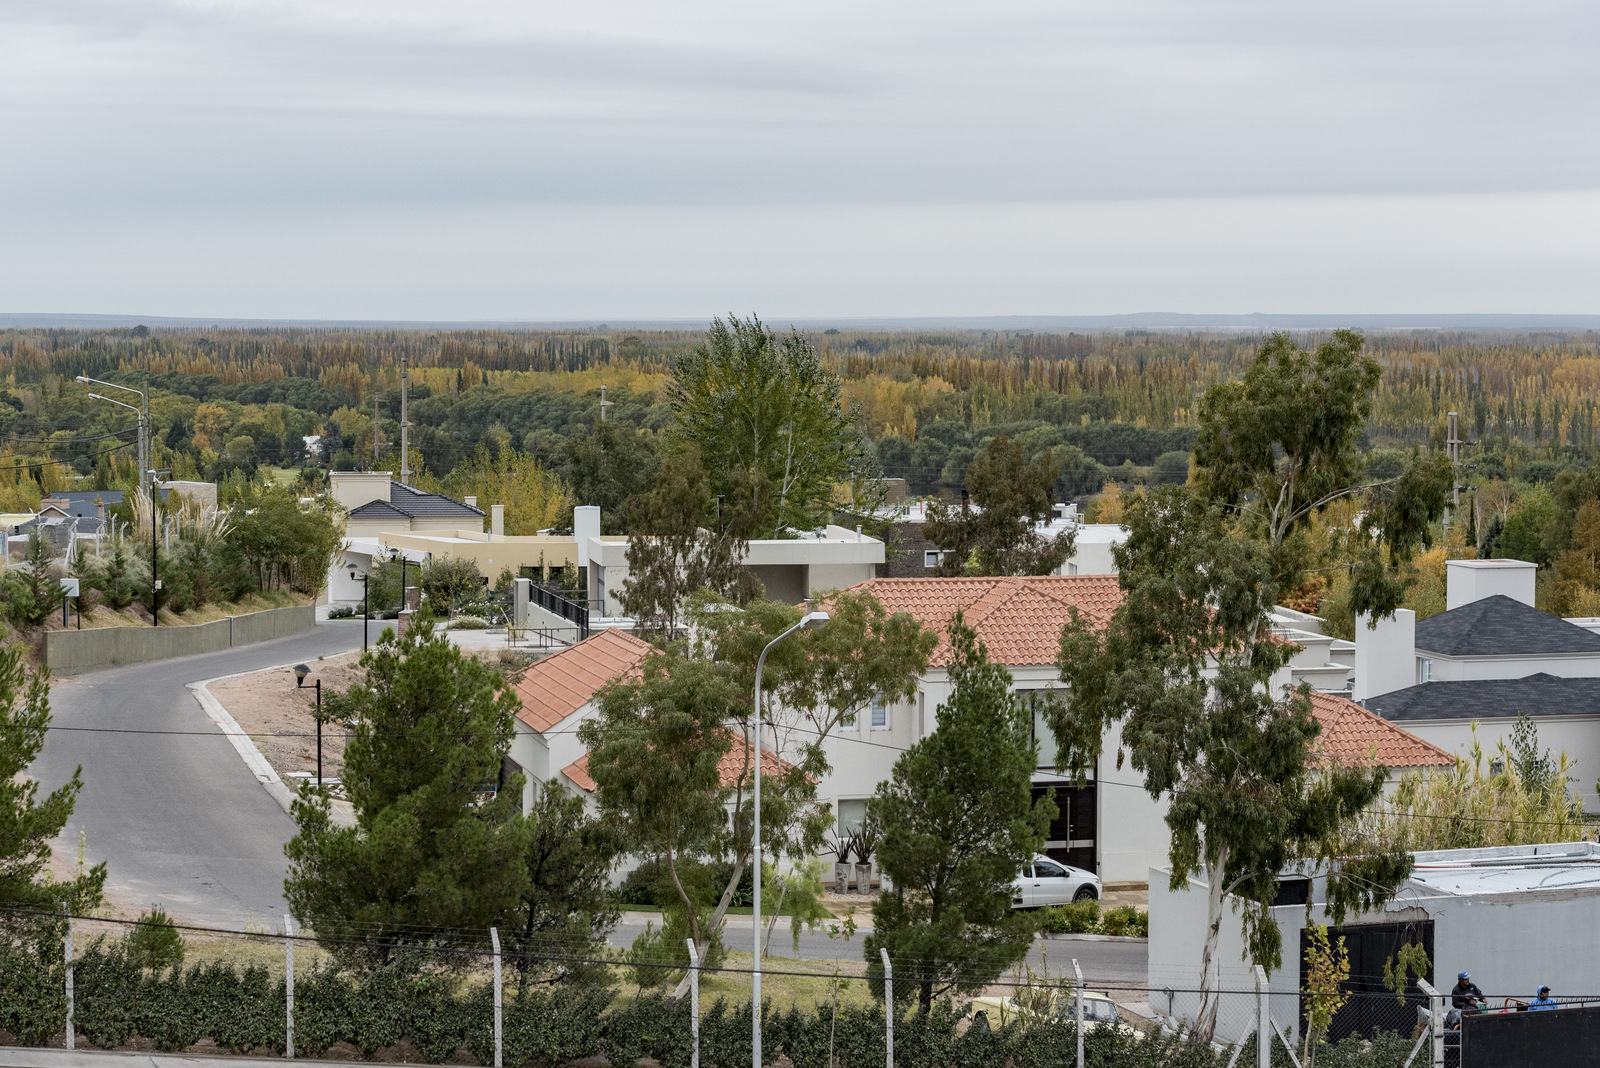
[(342, 611), (469, 623), (1080, 917), (1126, 920), (155, 944)]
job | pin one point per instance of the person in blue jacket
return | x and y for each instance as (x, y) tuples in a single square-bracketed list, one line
[(1544, 1000)]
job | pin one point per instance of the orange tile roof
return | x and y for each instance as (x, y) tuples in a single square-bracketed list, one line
[(731, 766), (1351, 734), (1019, 619), (555, 687)]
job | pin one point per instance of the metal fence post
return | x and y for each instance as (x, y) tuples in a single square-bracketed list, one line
[(288, 986), (494, 938), (694, 1004), (1077, 997), (888, 1005), (1263, 1021), (1436, 1024), (71, 1037)]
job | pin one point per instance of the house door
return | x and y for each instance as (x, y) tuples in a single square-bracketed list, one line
[(1371, 946), (1071, 838)]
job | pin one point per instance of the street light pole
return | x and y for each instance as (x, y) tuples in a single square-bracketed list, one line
[(810, 621), (366, 604), (300, 673), (145, 457)]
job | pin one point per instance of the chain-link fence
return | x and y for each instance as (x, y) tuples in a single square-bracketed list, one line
[(389, 992)]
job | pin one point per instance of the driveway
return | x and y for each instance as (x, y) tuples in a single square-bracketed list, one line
[(177, 817)]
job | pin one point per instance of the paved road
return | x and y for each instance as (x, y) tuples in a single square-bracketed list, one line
[(1104, 963), (177, 818)]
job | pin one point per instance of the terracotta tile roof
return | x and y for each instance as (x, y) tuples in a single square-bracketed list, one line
[(730, 767), (1019, 619), (1351, 734), (560, 684)]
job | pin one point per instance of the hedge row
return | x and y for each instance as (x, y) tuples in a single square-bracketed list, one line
[(243, 1010)]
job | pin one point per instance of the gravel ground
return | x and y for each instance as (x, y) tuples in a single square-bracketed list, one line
[(279, 718)]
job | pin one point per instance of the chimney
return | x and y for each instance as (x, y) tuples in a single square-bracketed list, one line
[(1473, 580), (1386, 656), (585, 525), (100, 509), (470, 502), (497, 520)]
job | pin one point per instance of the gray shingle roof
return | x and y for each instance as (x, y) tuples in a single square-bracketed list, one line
[(82, 501), (1537, 695), (1500, 626), (405, 502)]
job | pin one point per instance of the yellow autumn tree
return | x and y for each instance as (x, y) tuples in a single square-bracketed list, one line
[(533, 496), (1578, 569)]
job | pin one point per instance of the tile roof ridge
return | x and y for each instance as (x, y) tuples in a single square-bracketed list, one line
[(1003, 588)]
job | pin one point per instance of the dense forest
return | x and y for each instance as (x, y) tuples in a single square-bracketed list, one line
[(227, 402)]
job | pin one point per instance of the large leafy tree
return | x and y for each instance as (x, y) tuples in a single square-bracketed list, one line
[(959, 821), (28, 822), (1001, 536), (680, 546), (1281, 444), (769, 422), (436, 846), (1185, 666), (610, 468)]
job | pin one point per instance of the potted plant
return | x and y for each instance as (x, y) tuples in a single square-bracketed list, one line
[(866, 843), (842, 867)]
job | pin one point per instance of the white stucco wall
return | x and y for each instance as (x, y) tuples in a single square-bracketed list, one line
[(1477, 668), (1579, 736)]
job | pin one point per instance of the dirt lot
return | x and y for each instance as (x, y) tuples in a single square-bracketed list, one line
[(279, 718)]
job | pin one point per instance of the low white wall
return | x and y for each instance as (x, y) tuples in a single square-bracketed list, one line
[(1474, 669)]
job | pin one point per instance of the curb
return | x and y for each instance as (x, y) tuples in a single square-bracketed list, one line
[(277, 789)]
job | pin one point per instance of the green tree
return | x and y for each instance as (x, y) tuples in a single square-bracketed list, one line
[(435, 846), (449, 582), (1185, 668), (610, 468), (769, 422), (1001, 536), (281, 540), (1280, 445), (28, 823), (959, 822), (680, 546), (34, 591), (567, 901), (1526, 534)]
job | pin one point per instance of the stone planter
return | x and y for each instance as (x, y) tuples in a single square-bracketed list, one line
[(864, 877), (841, 878)]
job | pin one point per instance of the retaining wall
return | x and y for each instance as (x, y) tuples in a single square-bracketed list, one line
[(72, 652)]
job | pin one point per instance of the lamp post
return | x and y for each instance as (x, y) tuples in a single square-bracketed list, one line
[(396, 554), (811, 621), (155, 565), (366, 604), (143, 413), (300, 673)]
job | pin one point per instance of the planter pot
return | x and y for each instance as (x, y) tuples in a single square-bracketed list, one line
[(841, 878), (864, 877)]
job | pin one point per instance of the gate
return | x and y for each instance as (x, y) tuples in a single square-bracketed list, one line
[(1566, 1037), (1374, 1006)]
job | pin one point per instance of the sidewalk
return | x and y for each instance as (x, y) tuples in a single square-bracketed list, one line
[(34, 1057)]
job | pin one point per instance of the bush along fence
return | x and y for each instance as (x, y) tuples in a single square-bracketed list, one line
[(415, 1008)]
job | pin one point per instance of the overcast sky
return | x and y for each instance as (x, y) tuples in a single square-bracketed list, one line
[(499, 159)]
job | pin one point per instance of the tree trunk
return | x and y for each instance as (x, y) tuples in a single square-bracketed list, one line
[(702, 938), (1205, 1022)]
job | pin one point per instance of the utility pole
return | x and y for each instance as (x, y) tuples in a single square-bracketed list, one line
[(604, 404), (405, 425), (1453, 444)]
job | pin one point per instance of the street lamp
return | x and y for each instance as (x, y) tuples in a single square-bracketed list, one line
[(366, 604), (143, 413), (396, 554), (300, 673), (811, 621)]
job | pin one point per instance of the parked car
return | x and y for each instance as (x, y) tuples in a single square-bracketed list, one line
[(1050, 882), (1098, 1011)]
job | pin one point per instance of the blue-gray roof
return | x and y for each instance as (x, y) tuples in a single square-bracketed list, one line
[(1501, 626), (1537, 695), (406, 502)]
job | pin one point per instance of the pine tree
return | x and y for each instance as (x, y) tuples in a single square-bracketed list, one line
[(959, 821), (28, 823)]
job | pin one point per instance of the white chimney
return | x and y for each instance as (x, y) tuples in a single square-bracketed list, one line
[(1386, 656), (585, 525), (470, 502), (1473, 580), (497, 520)]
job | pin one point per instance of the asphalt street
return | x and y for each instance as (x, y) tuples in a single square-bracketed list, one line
[(177, 817), (1105, 963)]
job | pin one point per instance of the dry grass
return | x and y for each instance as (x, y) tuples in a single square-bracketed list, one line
[(134, 616)]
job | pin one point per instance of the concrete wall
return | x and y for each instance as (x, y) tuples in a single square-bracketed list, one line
[(72, 652), (1386, 654)]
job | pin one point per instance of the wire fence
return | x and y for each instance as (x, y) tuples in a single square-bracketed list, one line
[(390, 991)]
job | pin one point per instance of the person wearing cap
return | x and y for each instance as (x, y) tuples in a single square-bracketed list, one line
[(1465, 994), (1543, 1001)]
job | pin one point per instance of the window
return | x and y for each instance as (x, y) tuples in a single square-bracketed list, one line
[(880, 714), (851, 816), (1424, 670), (1048, 869), (1072, 569), (922, 714), (930, 559), (1040, 702)]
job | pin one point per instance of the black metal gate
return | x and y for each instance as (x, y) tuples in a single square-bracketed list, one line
[(1374, 1007)]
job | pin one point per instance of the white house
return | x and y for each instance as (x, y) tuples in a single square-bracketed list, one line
[(1507, 915), (1490, 656)]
